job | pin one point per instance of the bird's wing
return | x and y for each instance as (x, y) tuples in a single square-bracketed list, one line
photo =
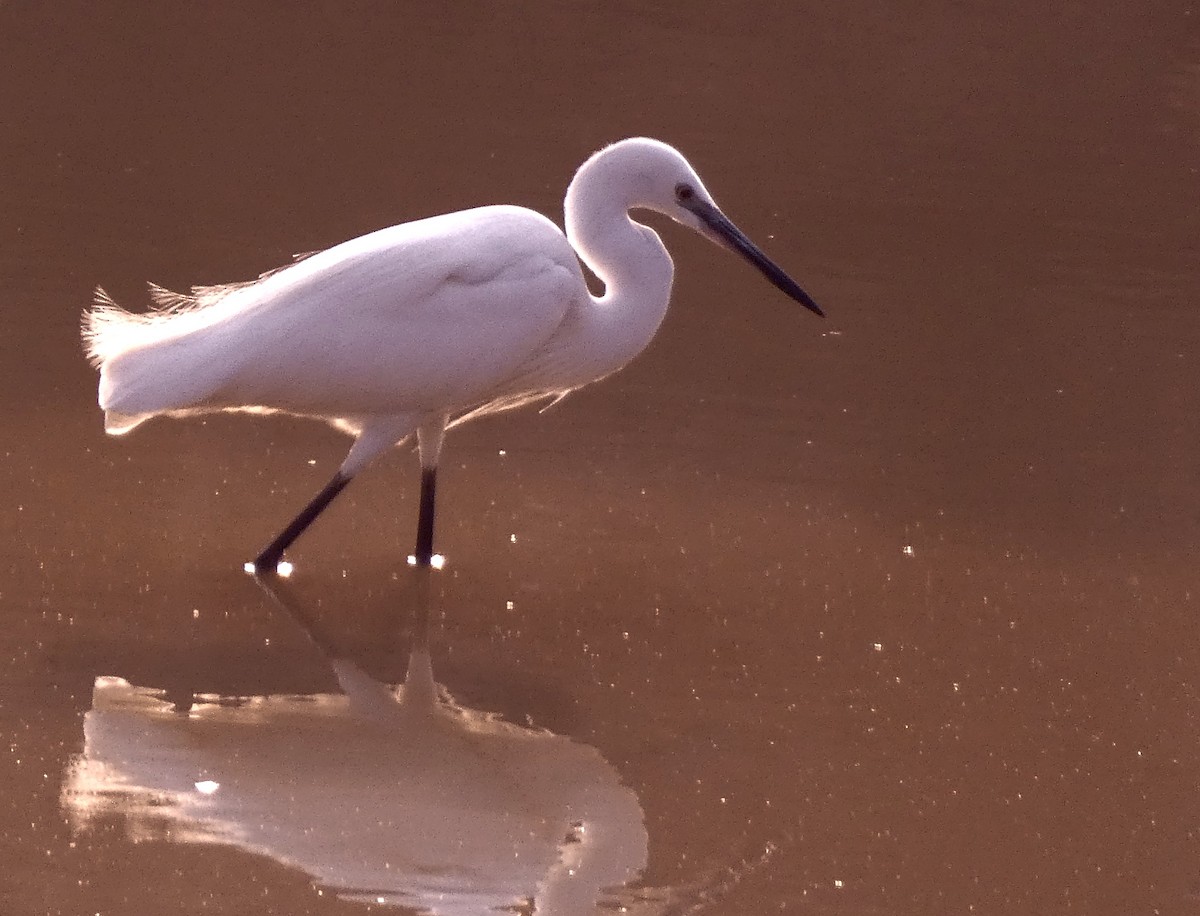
[(431, 315)]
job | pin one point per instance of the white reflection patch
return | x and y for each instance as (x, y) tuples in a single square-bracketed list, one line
[(392, 795)]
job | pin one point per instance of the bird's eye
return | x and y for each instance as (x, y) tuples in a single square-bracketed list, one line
[(684, 191)]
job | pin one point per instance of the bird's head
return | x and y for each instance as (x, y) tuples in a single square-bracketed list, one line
[(640, 173)]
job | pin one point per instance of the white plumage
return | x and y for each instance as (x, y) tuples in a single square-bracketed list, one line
[(357, 332), (406, 328)]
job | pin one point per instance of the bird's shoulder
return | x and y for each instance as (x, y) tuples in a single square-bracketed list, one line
[(500, 261), (480, 248), (501, 244)]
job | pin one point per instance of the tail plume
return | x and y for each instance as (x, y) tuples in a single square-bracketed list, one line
[(100, 324), (154, 363), (109, 330)]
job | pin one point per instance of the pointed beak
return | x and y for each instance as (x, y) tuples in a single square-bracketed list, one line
[(726, 233)]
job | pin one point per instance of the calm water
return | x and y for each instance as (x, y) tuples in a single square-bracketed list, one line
[(893, 613)]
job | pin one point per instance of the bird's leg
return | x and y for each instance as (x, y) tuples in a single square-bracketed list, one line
[(376, 436), (424, 552), (429, 442), (268, 560)]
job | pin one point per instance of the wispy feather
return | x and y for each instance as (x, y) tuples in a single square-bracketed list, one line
[(109, 329)]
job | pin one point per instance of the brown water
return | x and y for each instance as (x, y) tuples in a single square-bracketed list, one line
[(894, 613)]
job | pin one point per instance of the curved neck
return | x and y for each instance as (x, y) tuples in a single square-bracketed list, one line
[(631, 262)]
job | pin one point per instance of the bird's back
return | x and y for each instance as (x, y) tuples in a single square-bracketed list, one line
[(428, 315)]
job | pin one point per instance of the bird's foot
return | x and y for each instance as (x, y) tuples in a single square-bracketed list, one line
[(434, 561), (269, 567)]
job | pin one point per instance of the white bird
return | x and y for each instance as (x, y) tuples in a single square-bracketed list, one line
[(424, 325)]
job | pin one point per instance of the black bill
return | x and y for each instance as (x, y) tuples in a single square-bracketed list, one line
[(719, 223)]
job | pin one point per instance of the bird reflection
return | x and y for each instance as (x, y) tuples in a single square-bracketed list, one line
[(389, 795)]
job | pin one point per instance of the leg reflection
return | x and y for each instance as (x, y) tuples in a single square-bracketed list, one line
[(367, 694)]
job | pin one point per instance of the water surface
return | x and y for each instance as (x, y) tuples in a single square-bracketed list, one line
[(892, 613)]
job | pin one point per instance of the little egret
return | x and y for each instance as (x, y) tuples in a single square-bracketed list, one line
[(418, 327)]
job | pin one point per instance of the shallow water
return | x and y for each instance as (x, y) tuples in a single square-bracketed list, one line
[(892, 613)]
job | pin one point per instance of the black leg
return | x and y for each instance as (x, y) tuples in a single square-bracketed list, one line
[(269, 559), (424, 551)]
